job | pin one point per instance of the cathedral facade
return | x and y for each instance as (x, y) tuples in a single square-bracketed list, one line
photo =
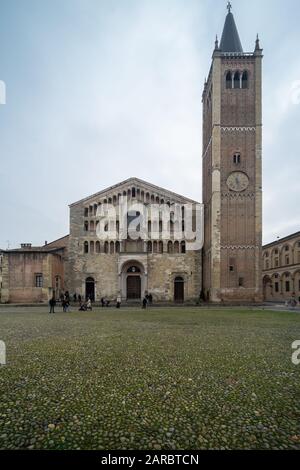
[(100, 259)]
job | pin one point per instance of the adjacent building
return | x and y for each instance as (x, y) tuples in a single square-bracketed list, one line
[(281, 269)]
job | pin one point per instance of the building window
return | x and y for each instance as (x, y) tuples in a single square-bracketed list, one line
[(86, 247), (276, 287), (39, 280), (245, 80), (86, 212), (237, 81), (183, 247), (237, 158), (231, 269), (229, 80), (86, 226), (149, 247), (241, 282), (287, 286)]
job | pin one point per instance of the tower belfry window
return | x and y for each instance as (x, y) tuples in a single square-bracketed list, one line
[(229, 81), (245, 80), (237, 81)]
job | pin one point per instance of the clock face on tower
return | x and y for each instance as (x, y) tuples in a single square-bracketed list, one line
[(237, 181)]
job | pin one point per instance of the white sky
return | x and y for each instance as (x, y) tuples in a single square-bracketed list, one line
[(102, 90)]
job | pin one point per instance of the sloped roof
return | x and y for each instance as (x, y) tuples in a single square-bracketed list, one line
[(230, 41), (144, 185)]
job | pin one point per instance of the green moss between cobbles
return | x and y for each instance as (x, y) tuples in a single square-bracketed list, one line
[(158, 379)]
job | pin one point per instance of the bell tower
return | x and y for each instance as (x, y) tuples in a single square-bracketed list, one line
[(232, 171)]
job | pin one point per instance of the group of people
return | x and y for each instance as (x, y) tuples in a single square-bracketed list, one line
[(85, 306), (65, 302)]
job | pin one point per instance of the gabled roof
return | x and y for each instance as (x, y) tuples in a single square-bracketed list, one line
[(138, 183), (230, 41)]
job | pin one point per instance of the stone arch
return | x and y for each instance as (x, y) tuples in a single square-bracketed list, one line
[(133, 280)]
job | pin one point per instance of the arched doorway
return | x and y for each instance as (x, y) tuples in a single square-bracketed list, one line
[(90, 288), (134, 283), (179, 290), (133, 280)]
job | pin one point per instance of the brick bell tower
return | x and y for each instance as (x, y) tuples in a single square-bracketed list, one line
[(232, 171)]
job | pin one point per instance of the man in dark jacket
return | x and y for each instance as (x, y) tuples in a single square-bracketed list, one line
[(52, 304)]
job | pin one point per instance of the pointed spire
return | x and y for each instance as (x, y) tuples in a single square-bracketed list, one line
[(230, 41), (216, 43), (257, 45)]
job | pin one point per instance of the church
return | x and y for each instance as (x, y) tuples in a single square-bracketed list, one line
[(96, 260)]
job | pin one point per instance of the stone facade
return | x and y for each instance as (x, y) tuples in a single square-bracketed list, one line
[(158, 263), (281, 269)]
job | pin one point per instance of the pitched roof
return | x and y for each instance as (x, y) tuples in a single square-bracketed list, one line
[(230, 41), (134, 182)]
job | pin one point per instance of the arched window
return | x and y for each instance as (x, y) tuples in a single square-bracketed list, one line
[(245, 80), (86, 247), (170, 247), (92, 226), (86, 212), (117, 247), (160, 247), (86, 226), (133, 192), (237, 82), (229, 80), (106, 247), (112, 248), (183, 247), (92, 247), (237, 158), (154, 247), (176, 248), (98, 247), (149, 247)]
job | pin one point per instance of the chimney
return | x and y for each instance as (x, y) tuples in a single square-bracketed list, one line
[(26, 245), (46, 243)]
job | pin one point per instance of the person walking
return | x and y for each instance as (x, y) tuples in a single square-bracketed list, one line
[(52, 304), (145, 302), (119, 301), (89, 305)]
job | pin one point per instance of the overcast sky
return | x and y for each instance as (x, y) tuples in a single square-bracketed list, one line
[(102, 90)]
